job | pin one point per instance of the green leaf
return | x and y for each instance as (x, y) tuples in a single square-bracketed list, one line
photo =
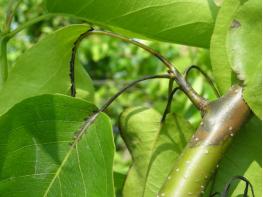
[(44, 68), (41, 157), (246, 50), (139, 128), (236, 49), (243, 158), (154, 148), (187, 22)]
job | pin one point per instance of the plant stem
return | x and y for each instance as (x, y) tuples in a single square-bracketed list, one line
[(170, 90), (209, 80), (106, 105), (3, 60), (91, 119), (196, 99), (200, 158), (12, 7), (169, 102), (29, 23)]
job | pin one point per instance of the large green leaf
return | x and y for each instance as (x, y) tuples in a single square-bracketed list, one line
[(44, 68), (38, 157), (154, 148), (187, 22), (236, 46), (139, 128), (243, 157)]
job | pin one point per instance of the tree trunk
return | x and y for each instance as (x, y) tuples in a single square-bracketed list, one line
[(193, 169)]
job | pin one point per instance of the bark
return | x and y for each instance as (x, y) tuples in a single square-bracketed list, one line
[(193, 169)]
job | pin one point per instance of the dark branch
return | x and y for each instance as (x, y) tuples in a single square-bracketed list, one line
[(196, 99), (72, 62), (169, 102), (209, 80), (114, 97), (230, 182)]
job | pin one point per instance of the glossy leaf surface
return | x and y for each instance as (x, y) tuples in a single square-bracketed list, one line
[(37, 155), (243, 158), (44, 68), (187, 22), (236, 49), (154, 148)]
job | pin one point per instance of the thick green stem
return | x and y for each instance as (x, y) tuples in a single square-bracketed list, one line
[(199, 160), (3, 60)]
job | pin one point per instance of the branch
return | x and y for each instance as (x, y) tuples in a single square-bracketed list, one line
[(186, 73), (72, 62), (3, 61), (169, 102), (12, 7), (248, 184), (29, 23), (196, 99), (114, 97), (222, 120), (92, 118), (209, 80)]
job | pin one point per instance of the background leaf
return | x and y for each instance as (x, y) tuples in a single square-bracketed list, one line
[(243, 158), (154, 148), (187, 22), (139, 129), (44, 68), (245, 51), (37, 157), (236, 46)]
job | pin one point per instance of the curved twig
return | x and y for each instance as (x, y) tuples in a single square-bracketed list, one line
[(196, 99), (209, 80), (185, 74), (72, 62), (29, 23), (12, 7), (227, 187), (107, 103), (169, 102)]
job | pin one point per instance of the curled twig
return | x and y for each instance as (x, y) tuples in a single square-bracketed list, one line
[(209, 80), (114, 97), (169, 103), (196, 99), (230, 182)]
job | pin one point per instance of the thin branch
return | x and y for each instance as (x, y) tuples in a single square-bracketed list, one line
[(196, 99), (186, 73), (209, 80), (169, 103), (89, 120), (12, 7), (29, 23), (114, 97), (72, 62), (170, 86), (3, 61), (230, 182)]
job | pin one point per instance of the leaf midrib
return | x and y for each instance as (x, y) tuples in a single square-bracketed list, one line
[(82, 132)]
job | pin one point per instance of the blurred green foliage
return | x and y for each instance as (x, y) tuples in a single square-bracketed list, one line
[(113, 64)]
